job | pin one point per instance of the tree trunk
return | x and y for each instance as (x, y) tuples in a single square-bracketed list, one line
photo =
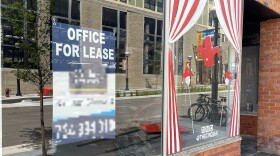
[(44, 153)]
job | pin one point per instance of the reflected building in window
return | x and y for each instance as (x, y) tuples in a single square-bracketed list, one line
[(138, 29), (64, 11)]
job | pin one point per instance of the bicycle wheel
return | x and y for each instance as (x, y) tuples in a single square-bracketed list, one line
[(196, 112)]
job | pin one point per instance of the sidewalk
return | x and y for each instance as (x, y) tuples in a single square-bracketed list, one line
[(16, 99), (249, 147)]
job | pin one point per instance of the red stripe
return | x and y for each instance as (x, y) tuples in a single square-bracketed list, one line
[(180, 18), (176, 115), (187, 20), (169, 105), (226, 20), (174, 13), (232, 115), (231, 20), (240, 7), (172, 101), (173, 104), (233, 110), (173, 125)]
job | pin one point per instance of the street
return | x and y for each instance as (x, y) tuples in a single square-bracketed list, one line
[(21, 121)]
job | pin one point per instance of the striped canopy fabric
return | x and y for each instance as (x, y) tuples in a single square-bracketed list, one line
[(230, 15), (183, 15), (180, 16)]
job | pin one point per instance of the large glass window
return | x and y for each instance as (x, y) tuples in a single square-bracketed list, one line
[(115, 21), (152, 46)]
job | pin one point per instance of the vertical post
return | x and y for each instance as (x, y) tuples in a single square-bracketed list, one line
[(221, 68), (18, 83), (25, 52), (190, 67), (69, 10), (118, 43), (126, 79), (214, 78), (190, 70), (18, 80), (164, 79)]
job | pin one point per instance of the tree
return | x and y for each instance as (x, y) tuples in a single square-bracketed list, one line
[(31, 28)]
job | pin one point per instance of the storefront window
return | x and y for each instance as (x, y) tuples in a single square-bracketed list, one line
[(205, 120)]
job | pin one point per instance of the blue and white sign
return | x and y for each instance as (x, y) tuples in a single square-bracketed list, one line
[(83, 62)]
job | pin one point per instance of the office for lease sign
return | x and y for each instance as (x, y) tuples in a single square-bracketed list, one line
[(83, 64)]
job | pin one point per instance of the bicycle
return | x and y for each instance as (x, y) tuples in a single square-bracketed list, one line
[(210, 109)]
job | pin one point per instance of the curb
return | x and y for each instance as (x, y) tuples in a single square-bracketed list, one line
[(16, 100)]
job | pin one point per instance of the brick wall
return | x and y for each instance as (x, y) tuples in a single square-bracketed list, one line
[(269, 88), (232, 149), (248, 124), (272, 4)]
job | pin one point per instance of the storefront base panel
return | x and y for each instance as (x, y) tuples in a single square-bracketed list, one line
[(225, 147), (248, 124)]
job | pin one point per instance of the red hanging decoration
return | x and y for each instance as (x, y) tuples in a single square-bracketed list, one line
[(187, 72), (208, 52), (228, 75)]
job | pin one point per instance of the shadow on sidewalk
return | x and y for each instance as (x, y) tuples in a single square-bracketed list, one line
[(34, 136)]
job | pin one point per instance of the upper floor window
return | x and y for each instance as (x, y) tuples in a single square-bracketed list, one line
[(115, 21), (160, 5), (75, 10), (152, 46), (61, 8), (150, 4)]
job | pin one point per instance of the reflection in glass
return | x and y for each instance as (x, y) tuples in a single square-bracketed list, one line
[(152, 46), (115, 21)]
